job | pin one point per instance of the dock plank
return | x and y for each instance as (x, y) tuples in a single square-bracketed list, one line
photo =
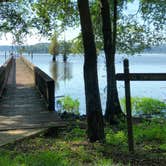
[(22, 108)]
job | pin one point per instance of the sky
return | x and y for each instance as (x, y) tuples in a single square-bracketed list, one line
[(70, 33), (6, 39)]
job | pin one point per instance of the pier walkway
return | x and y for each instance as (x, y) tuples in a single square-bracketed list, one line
[(23, 110)]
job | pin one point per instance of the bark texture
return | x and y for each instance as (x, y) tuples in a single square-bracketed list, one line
[(109, 34), (93, 104)]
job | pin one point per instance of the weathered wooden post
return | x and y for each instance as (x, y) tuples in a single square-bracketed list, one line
[(51, 98), (128, 106)]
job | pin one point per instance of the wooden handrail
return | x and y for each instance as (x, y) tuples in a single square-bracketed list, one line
[(142, 76), (4, 73), (46, 86), (44, 83)]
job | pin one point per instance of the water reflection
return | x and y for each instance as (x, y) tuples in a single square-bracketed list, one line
[(61, 71), (69, 77)]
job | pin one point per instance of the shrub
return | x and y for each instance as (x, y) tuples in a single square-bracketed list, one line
[(116, 138), (150, 131), (68, 104), (76, 134), (145, 105)]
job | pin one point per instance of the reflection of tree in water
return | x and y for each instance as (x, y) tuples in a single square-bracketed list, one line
[(65, 70), (54, 73), (60, 71)]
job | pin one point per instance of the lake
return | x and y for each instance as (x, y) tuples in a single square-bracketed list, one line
[(69, 76)]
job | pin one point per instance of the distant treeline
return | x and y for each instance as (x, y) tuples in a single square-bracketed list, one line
[(69, 47), (156, 49), (37, 48)]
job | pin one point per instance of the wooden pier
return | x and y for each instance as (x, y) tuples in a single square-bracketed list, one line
[(23, 108)]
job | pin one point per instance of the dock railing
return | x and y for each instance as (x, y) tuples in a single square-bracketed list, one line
[(44, 83), (4, 73)]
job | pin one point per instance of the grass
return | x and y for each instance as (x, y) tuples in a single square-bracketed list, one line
[(151, 131), (70, 147)]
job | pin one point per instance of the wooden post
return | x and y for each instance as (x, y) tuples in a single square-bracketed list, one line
[(51, 98), (128, 106)]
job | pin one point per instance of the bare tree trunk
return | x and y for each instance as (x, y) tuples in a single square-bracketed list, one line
[(54, 58), (64, 57), (64, 54), (93, 104), (112, 104)]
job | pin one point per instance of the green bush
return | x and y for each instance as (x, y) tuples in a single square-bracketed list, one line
[(150, 131), (116, 138), (69, 105), (145, 105), (76, 134)]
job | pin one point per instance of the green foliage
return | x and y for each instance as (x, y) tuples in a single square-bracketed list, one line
[(145, 105), (150, 131), (118, 138), (71, 148), (106, 162), (54, 46), (65, 47), (148, 11), (57, 14), (163, 146), (69, 105), (37, 159), (15, 18), (77, 45), (76, 134)]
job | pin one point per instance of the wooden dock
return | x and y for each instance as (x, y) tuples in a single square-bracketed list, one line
[(23, 110)]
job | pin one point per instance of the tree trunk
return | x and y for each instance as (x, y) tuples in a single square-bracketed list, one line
[(54, 58), (64, 57), (93, 104), (112, 104)]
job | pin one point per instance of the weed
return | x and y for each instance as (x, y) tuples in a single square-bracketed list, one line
[(150, 131)]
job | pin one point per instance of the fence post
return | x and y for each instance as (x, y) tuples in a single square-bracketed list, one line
[(128, 106), (51, 98)]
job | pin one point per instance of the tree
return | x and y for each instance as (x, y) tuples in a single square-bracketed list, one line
[(15, 18), (65, 49), (128, 34), (109, 34), (48, 12), (93, 104), (77, 45), (54, 47)]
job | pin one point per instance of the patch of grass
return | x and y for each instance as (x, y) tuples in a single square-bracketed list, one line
[(117, 138), (150, 131), (46, 158), (76, 134), (71, 148), (163, 146)]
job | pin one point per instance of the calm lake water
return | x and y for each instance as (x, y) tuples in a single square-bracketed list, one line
[(69, 76)]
